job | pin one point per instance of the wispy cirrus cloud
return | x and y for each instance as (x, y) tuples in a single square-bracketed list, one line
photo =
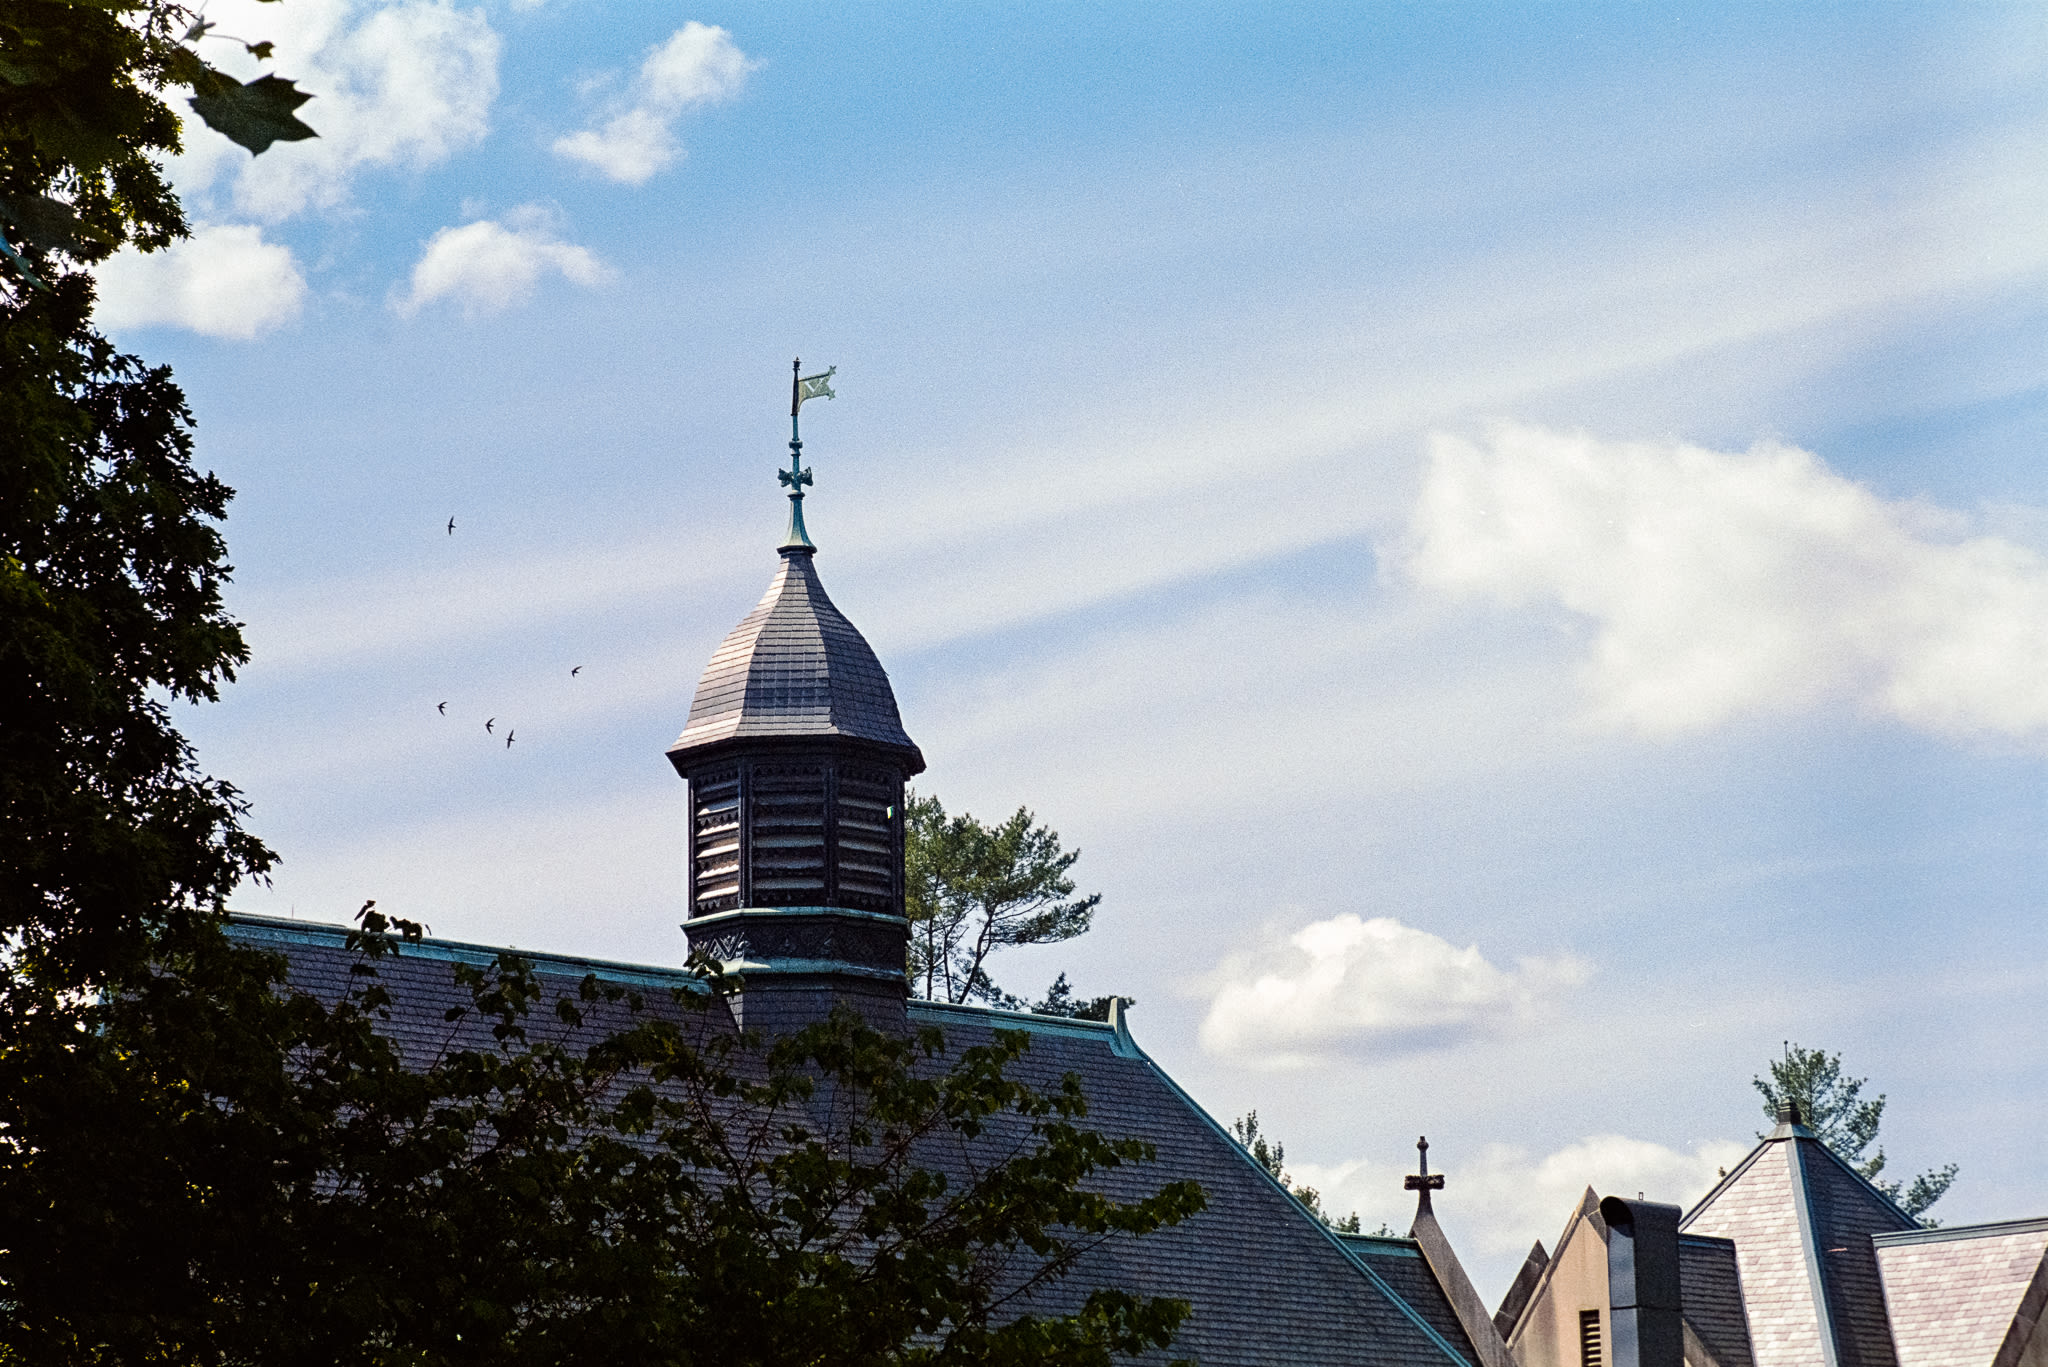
[(698, 65), (1724, 583), (1349, 985)]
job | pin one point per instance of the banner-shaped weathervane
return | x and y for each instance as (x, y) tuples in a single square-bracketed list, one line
[(817, 386)]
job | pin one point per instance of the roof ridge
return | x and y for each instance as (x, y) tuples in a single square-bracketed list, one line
[(1349, 1254), (467, 951), (1871, 1187), (1727, 1179), (1989, 1229), (1586, 1212), (1809, 1252)]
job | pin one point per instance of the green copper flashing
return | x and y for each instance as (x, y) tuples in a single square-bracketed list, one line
[(794, 537)]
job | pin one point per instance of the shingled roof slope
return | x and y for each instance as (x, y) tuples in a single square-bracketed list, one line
[(1802, 1221), (794, 667), (1269, 1284), (1710, 1290), (1399, 1263), (1753, 1205), (1847, 1210), (1967, 1295)]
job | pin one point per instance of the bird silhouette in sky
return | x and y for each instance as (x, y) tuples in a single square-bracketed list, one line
[(509, 733), (442, 708), (489, 724), (574, 672), (451, 526)]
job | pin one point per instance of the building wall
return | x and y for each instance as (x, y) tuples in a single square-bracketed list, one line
[(1549, 1332)]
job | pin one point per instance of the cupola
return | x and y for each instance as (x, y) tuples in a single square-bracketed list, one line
[(796, 759)]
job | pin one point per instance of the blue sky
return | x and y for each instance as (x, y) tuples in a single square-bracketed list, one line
[(1514, 539)]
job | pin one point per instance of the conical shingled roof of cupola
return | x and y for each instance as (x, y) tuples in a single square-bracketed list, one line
[(795, 669)]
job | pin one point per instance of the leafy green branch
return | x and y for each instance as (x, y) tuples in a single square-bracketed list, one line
[(85, 124)]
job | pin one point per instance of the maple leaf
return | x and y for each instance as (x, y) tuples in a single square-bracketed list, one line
[(255, 114)]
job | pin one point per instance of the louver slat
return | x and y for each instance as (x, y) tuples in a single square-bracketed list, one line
[(715, 842), (788, 829)]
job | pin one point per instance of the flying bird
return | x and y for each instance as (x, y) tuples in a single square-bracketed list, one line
[(574, 672), (451, 526), (489, 724), (509, 733), (442, 708)]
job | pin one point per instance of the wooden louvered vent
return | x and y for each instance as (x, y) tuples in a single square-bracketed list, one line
[(868, 802), (715, 842), (1589, 1338), (796, 832), (787, 835)]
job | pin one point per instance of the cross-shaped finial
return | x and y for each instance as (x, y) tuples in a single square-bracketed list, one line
[(796, 474), (1425, 1181)]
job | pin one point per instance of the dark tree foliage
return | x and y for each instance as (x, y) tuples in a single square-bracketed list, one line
[(111, 559), (1059, 1000), (1834, 1109), (111, 570), (84, 124), (971, 889), (584, 1177), (82, 129)]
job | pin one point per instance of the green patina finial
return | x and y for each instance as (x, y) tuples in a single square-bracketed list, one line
[(801, 387)]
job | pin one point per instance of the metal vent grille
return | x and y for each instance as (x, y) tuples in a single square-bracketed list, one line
[(787, 835), (1589, 1338), (715, 842), (868, 805)]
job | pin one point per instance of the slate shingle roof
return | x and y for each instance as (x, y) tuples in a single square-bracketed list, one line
[(1969, 1295), (1269, 1284), (1710, 1289), (1400, 1264), (1846, 1212), (1802, 1222), (795, 667), (1754, 1207)]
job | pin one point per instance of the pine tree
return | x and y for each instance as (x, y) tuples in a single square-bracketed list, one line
[(1833, 1107)]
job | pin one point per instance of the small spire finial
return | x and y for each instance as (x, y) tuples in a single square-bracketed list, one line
[(1425, 1181), (801, 388)]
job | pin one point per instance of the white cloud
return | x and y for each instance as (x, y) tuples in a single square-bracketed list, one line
[(223, 281), (1349, 985), (1725, 583), (488, 266), (1503, 1199), (699, 64), (405, 85)]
